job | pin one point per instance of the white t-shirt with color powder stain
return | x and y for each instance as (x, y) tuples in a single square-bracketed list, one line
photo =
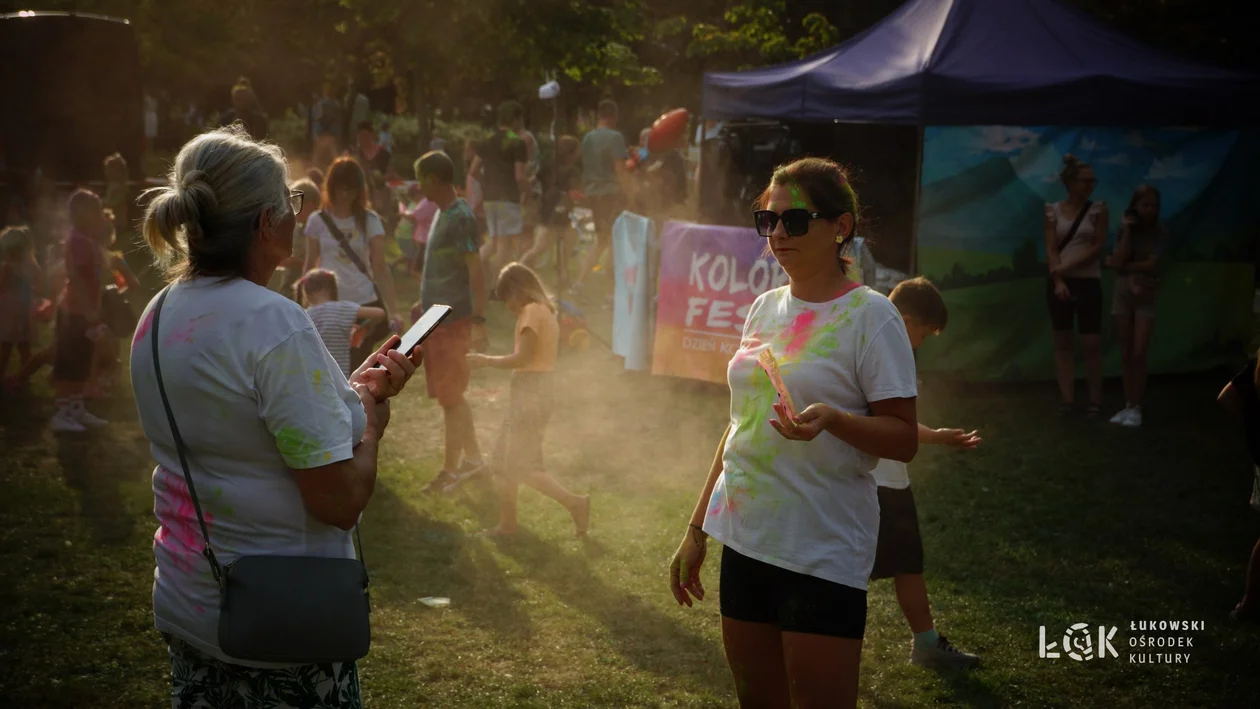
[(892, 474), (255, 393), (809, 507), (334, 321), (352, 284)]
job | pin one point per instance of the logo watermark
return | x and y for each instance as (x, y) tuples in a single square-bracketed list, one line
[(1078, 643), (1150, 642)]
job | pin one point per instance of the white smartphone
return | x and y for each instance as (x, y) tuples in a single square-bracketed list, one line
[(422, 329)]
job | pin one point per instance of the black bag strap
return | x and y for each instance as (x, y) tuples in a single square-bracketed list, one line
[(206, 551), (1075, 225), (351, 254)]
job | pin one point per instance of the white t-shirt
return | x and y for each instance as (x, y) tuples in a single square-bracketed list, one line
[(334, 321), (809, 507), (352, 284), (255, 394), (1091, 226), (891, 473)]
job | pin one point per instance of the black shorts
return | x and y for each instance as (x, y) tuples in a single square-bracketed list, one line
[(757, 592), (899, 550), (73, 360), (1084, 308)]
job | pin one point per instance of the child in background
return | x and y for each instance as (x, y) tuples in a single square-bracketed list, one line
[(19, 276), (54, 284), (115, 199), (899, 550), (79, 323), (334, 318), (563, 179), (385, 138), (419, 217), (518, 455), (117, 280), (472, 184)]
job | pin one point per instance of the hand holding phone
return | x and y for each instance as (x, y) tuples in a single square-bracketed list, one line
[(422, 329)]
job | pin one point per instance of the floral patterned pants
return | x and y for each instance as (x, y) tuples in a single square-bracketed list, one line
[(199, 681)]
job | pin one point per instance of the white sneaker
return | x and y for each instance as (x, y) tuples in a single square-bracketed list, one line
[(1134, 419), (85, 417), (64, 421), (1122, 415)]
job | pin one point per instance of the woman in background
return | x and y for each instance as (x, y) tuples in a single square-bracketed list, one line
[(1075, 232), (363, 272)]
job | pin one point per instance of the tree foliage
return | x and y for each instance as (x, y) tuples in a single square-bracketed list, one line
[(477, 51)]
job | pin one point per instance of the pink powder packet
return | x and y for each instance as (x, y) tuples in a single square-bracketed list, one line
[(771, 367)]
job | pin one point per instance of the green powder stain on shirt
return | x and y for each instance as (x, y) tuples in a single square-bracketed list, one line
[(295, 447)]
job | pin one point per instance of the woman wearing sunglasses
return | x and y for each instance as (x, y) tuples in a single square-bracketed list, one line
[(790, 494)]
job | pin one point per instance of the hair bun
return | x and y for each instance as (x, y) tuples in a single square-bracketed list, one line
[(1070, 160)]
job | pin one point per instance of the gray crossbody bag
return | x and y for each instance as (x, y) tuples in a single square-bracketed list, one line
[(281, 609)]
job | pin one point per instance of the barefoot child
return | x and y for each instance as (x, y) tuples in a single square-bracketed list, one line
[(518, 456), (19, 276), (899, 551), (334, 318)]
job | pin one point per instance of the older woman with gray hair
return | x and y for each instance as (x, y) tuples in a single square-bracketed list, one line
[(279, 447)]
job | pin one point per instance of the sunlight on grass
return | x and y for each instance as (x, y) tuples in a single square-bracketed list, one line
[(1050, 522)]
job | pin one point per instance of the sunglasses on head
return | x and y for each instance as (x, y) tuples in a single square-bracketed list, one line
[(795, 221)]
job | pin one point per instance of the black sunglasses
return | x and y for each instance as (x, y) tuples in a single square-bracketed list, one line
[(795, 221)]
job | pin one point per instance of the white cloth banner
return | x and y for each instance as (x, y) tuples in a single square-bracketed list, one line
[(632, 305)]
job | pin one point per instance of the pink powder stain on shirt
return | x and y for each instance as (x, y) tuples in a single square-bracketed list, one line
[(798, 333), (179, 532), (143, 330), (184, 334)]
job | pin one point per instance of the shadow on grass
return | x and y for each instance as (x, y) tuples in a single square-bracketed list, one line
[(417, 556), (646, 637), (94, 465), (1055, 521)]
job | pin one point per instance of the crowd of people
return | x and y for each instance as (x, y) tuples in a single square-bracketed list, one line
[(291, 388), (80, 287)]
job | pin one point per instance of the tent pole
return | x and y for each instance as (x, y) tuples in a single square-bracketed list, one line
[(918, 186)]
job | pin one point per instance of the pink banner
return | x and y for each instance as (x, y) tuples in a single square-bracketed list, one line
[(709, 277)]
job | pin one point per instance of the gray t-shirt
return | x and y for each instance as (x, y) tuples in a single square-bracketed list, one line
[(257, 396), (601, 149)]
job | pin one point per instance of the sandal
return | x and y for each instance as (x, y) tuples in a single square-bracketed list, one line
[(1093, 411), (1066, 408), (444, 481)]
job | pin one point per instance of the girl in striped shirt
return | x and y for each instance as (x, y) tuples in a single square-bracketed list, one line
[(334, 319)]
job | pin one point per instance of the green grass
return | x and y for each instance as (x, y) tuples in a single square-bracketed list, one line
[(1050, 522)]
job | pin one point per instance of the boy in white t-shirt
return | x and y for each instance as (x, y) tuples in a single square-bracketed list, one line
[(899, 551)]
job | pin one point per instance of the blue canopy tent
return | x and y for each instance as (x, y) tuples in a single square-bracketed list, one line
[(989, 62), (1004, 88)]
